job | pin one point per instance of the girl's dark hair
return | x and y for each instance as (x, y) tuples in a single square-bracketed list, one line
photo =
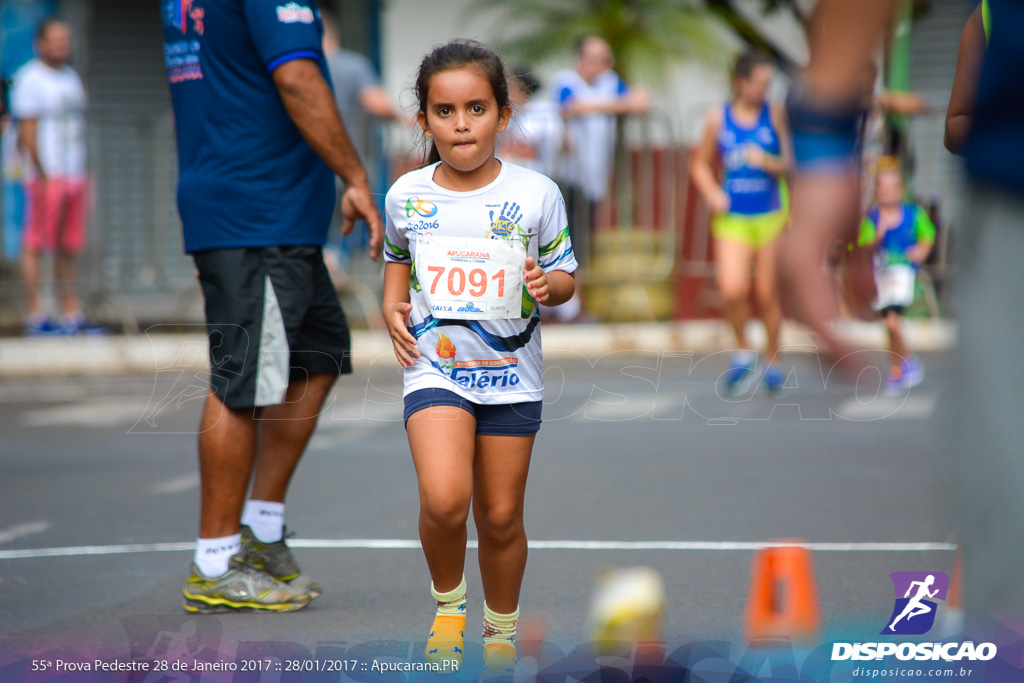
[(523, 78), (748, 61), (459, 54)]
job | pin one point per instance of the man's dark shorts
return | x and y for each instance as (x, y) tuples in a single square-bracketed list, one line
[(272, 316)]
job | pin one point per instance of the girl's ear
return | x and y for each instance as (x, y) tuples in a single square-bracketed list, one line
[(504, 116), (421, 118)]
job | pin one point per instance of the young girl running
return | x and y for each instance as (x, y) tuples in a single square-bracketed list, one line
[(750, 138), (472, 245), (901, 236)]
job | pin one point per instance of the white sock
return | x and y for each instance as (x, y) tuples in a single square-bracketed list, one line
[(453, 602), (212, 554), (266, 519), (745, 356), (500, 628)]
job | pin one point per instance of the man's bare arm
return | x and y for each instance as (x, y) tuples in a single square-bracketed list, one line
[(376, 100), (636, 101), (965, 84), (28, 130), (308, 100)]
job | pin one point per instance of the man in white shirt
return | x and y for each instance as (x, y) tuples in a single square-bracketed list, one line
[(48, 104), (590, 97)]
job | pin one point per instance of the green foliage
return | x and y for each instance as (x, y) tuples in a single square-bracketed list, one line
[(645, 35)]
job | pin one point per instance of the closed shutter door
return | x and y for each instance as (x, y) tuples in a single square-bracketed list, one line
[(935, 43), (136, 247)]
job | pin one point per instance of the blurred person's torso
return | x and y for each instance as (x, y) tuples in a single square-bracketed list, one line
[(247, 177), (996, 148), (751, 190), (898, 238), (56, 99), (591, 136), (351, 72), (534, 137)]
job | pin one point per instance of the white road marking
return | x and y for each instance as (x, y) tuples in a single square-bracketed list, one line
[(912, 407), (97, 412), (411, 544), (25, 529), (177, 484)]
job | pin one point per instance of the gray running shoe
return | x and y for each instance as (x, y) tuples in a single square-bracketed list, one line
[(277, 560), (242, 589)]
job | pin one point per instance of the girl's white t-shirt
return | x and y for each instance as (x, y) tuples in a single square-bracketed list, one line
[(485, 361)]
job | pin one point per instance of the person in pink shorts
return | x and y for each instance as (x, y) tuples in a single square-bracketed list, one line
[(48, 103)]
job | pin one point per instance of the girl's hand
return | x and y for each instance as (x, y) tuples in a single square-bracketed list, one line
[(756, 156), (536, 280), (918, 253), (720, 202), (397, 319)]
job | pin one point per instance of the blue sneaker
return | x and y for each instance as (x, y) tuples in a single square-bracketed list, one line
[(910, 375), (740, 375), (895, 384), (77, 324), (913, 372), (773, 379), (42, 327)]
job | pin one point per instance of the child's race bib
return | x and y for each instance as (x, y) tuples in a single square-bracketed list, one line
[(471, 278), (895, 285)]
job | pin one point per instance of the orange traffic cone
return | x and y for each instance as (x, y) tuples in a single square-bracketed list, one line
[(952, 622), (955, 600), (783, 601)]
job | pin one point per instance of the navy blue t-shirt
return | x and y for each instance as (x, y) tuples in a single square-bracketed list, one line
[(247, 178), (996, 148)]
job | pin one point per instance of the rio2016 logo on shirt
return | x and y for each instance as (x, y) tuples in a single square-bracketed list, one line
[(415, 205), (293, 13), (914, 611)]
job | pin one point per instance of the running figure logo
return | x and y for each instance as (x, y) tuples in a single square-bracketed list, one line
[(914, 612)]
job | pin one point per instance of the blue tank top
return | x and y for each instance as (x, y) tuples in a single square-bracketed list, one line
[(751, 191), (897, 240)]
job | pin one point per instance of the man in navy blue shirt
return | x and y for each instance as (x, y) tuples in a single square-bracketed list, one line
[(986, 435), (259, 143)]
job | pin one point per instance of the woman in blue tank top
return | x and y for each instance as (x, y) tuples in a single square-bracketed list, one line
[(749, 139)]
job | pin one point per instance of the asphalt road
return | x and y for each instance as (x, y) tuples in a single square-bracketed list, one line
[(635, 447)]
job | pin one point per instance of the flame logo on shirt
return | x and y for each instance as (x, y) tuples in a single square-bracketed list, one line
[(446, 353), (445, 347)]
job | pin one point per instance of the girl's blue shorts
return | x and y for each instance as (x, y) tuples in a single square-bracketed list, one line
[(506, 419)]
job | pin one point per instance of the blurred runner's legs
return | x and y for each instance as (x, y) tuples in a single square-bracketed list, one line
[(824, 110)]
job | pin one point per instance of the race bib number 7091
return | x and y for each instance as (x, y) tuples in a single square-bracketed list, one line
[(471, 278)]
